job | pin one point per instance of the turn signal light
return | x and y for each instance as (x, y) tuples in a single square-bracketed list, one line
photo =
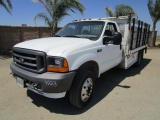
[(62, 69)]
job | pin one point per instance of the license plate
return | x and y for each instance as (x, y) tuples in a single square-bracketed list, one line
[(20, 82)]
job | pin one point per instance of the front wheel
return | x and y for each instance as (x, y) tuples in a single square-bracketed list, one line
[(82, 88)]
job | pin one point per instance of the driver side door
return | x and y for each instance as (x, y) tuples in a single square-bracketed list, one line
[(111, 54)]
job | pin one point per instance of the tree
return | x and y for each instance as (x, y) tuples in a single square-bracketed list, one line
[(154, 10), (109, 12), (6, 4), (120, 10), (56, 10)]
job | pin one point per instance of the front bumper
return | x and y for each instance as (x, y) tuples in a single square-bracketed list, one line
[(50, 84)]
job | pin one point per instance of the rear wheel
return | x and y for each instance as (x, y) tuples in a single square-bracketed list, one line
[(142, 55), (82, 88), (139, 59)]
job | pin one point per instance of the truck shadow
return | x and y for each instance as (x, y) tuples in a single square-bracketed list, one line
[(104, 85)]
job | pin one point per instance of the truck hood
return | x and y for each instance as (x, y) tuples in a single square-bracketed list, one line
[(53, 46)]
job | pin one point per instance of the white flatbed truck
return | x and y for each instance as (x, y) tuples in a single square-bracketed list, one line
[(77, 55)]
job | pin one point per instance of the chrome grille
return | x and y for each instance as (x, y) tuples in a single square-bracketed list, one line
[(29, 60)]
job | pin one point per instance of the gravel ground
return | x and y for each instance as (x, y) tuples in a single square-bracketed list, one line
[(131, 94)]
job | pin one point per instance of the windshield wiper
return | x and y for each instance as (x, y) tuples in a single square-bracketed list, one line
[(72, 36)]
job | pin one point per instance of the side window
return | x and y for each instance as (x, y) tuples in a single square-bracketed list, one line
[(110, 29)]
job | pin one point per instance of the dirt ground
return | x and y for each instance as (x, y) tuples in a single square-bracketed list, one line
[(132, 94)]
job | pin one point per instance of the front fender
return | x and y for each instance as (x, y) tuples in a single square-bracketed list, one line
[(76, 62)]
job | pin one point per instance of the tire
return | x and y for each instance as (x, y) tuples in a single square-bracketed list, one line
[(82, 88), (139, 59)]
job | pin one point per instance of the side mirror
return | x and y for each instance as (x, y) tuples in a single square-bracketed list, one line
[(108, 40), (116, 39)]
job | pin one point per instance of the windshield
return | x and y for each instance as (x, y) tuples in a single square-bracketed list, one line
[(87, 29)]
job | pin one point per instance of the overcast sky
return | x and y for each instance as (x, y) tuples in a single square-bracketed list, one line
[(25, 10)]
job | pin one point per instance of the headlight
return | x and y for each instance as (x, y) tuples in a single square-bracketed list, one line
[(57, 64)]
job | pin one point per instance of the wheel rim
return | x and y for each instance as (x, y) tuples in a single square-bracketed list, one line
[(87, 89)]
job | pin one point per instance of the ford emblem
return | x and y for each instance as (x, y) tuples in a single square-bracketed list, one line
[(21, 60)]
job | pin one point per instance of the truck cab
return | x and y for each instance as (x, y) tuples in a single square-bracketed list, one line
[(101, 35)]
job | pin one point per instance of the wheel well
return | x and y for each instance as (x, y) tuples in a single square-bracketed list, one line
[(92, 66)]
